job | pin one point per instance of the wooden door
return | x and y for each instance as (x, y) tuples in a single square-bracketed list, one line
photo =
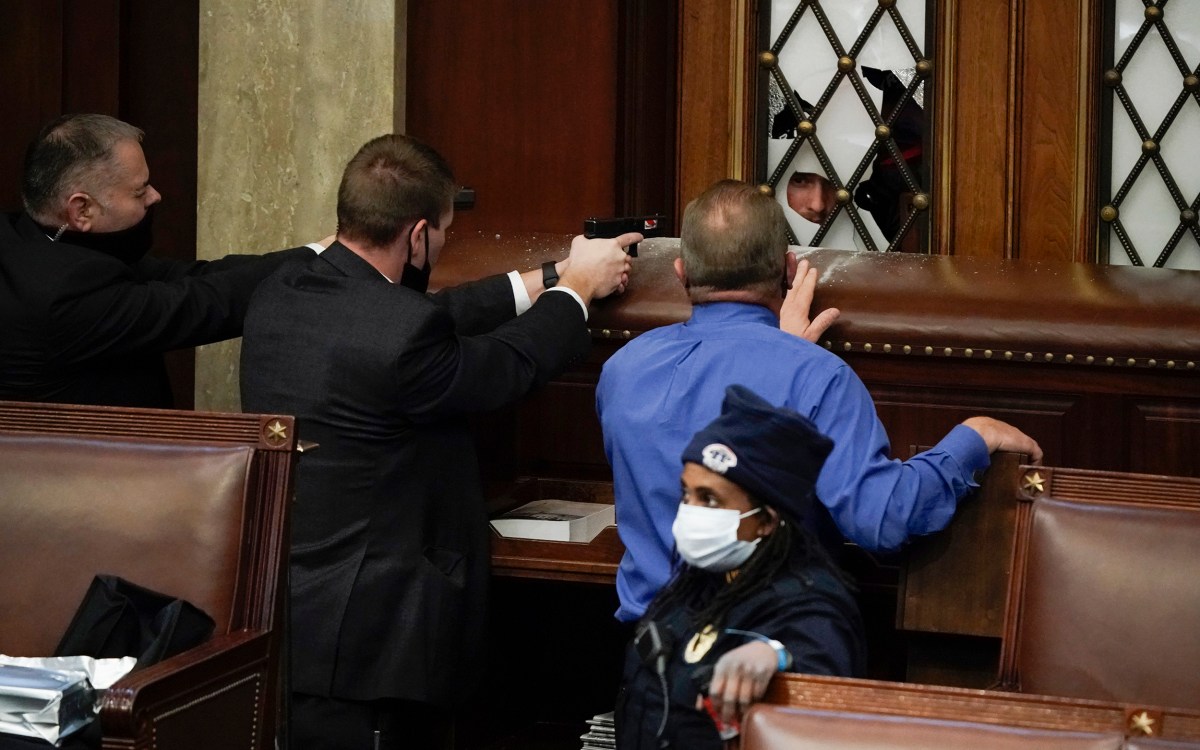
[(552, 110)]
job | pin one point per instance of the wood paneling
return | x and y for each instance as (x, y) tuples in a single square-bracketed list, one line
[(551, 446), (31, 78), (973, 53), (646, 110), (1163, 435), (708, 77), (553, 110), (92, 56), (521, 99), (1054, 195), (922, 415), (159, 84), (974, 604), (1110, 419)]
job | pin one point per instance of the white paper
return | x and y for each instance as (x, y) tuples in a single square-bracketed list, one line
[(101, 673), (35, 712)]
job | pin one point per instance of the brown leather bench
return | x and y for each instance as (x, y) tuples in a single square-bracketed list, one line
[(1104, 600), (844, 713), (187, 504), (776, 727)]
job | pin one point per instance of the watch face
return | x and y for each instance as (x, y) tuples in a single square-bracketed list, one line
[(549, 274)]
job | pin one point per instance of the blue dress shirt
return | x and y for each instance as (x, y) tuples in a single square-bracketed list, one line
[(663, 386)]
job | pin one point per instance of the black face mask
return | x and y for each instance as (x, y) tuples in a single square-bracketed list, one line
[(126, 245), (417, 279)]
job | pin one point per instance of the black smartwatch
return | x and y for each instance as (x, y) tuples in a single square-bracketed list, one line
[(549, 274)]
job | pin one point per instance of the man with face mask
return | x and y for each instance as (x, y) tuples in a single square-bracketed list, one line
[(87, 314), (755, 593), (390, 557), (667, 383)]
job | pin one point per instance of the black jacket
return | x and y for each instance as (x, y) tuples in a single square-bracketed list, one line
[(390, 553), (79, 326), (805, 607)]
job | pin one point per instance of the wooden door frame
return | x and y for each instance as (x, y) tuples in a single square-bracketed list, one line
[(1014, 167)]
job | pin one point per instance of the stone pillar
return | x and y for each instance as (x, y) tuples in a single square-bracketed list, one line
[(289, 90)]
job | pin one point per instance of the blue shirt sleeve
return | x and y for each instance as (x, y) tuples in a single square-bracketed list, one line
[(879, 502)]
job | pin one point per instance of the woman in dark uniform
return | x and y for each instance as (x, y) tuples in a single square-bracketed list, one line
[(756, 593)]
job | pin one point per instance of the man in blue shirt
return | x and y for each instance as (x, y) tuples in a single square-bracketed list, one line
[(666, 384)]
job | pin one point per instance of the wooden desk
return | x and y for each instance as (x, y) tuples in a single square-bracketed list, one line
[(592, 562)]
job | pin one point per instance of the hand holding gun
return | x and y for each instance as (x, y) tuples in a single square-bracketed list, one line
[(648, 226)]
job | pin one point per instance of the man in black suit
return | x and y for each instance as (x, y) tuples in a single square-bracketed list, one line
[(389, 561), (86, 314)]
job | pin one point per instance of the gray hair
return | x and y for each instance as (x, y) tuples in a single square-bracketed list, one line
[(74, 152), (733, 238)]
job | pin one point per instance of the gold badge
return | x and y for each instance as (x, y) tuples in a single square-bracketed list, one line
[(701, 642)]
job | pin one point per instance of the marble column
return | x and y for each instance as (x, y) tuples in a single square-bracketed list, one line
[(289, 89)]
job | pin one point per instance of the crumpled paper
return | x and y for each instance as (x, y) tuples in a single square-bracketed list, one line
[(52, 697)]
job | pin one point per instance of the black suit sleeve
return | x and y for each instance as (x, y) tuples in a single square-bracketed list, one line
[(151, 268), (479, 306), (114, 312), (444, 374), (818, 623)]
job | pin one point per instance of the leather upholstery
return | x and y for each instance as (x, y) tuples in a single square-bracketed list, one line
[(779, 727), (1110, 602), (885, 297), (166, 517), (189, 504)]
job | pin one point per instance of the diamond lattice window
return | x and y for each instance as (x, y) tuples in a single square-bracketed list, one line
[(1151, 193), (847, 121)]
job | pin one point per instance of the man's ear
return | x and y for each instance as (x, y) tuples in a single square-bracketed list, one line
[(416, 243), (680, 273), (81, 212), (790, 264)]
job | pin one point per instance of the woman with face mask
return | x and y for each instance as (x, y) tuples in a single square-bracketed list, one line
[(754, 592)]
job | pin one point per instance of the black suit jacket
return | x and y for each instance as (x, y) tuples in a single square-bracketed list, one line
[(79, 326), (389, 561)]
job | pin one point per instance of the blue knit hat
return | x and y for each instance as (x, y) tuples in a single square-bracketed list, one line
[(773, 453)]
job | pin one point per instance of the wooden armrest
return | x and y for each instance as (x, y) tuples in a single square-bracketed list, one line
[(184, 681)]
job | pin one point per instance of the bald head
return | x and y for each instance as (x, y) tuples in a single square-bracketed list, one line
[(734, 238)]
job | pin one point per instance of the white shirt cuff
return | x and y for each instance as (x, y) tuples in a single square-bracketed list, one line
[(574, 294), (520, 294)]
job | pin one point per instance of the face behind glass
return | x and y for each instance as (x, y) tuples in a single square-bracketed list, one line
[(124, 201), (708, 489), (811, 195)]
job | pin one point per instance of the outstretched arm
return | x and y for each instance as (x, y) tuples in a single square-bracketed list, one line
[(1001, 436)]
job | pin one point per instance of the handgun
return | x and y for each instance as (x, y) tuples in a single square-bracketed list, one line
[(464, 198), (649, 226)]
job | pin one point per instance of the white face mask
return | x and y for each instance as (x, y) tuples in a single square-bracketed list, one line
[(707, 537)]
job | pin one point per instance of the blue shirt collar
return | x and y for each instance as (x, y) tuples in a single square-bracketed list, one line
[(725, 312)]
